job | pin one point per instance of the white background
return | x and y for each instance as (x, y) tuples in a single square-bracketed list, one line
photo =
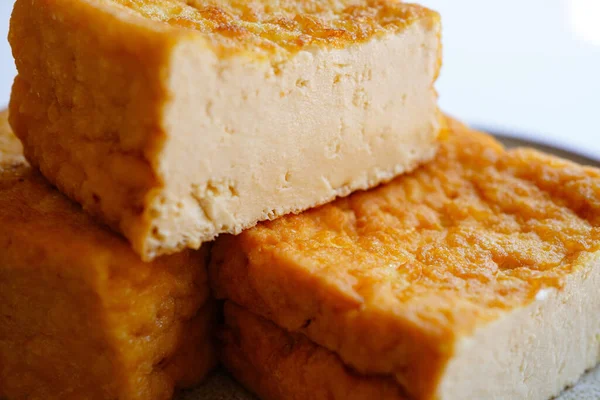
[(525, 67), (7, 67)]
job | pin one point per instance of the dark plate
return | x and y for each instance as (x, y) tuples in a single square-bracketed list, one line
[(511, 141)]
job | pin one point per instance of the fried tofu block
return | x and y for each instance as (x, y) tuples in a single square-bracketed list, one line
[(81, 316), (474, 277), (174, 121)]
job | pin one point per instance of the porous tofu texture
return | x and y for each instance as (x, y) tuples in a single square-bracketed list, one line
[(474, 276), (81, 316), (173, 123)]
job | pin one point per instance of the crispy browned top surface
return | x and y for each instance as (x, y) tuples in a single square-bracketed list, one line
[(475, 232), (289, 25)]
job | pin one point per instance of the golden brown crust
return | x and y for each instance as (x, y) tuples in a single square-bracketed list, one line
[(81, 316), (72, 59), (277, 365), (267, 26), (389, 278)]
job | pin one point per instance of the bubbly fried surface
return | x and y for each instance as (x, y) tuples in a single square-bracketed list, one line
[(278, 365), (390, 278), (81, 316), (273, 26)]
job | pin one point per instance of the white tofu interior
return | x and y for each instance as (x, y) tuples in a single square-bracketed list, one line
[(249, 141), (534, 352)]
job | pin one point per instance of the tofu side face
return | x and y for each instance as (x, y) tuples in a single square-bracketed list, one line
[(399, 280), (534, 352), (276, 364), (177, 135)]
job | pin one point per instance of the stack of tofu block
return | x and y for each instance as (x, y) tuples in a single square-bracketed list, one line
[(367, 246)]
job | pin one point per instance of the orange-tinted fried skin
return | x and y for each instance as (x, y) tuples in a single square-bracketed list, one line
[(389, 278), (81, 316), (278, 365), (268, 26)]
